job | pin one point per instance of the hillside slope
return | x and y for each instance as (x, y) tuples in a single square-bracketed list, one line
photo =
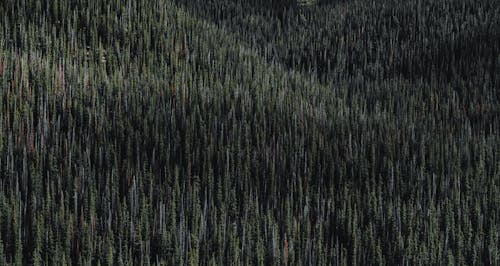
[(156, 132)]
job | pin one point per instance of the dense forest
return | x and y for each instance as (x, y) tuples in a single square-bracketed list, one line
[(249, 132)]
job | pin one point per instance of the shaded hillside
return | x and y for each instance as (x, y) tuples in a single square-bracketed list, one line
[(233, 132), (443, 40)]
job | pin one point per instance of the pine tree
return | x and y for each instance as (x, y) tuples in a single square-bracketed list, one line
[(109, 249), (2, 254), (18, 240), (37, 252)]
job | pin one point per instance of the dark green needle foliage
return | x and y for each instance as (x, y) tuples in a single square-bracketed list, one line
[(234, 132)]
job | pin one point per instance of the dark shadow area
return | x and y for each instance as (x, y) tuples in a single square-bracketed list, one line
[(446, 55)]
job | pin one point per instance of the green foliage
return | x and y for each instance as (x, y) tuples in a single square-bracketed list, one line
[(232, 132)]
